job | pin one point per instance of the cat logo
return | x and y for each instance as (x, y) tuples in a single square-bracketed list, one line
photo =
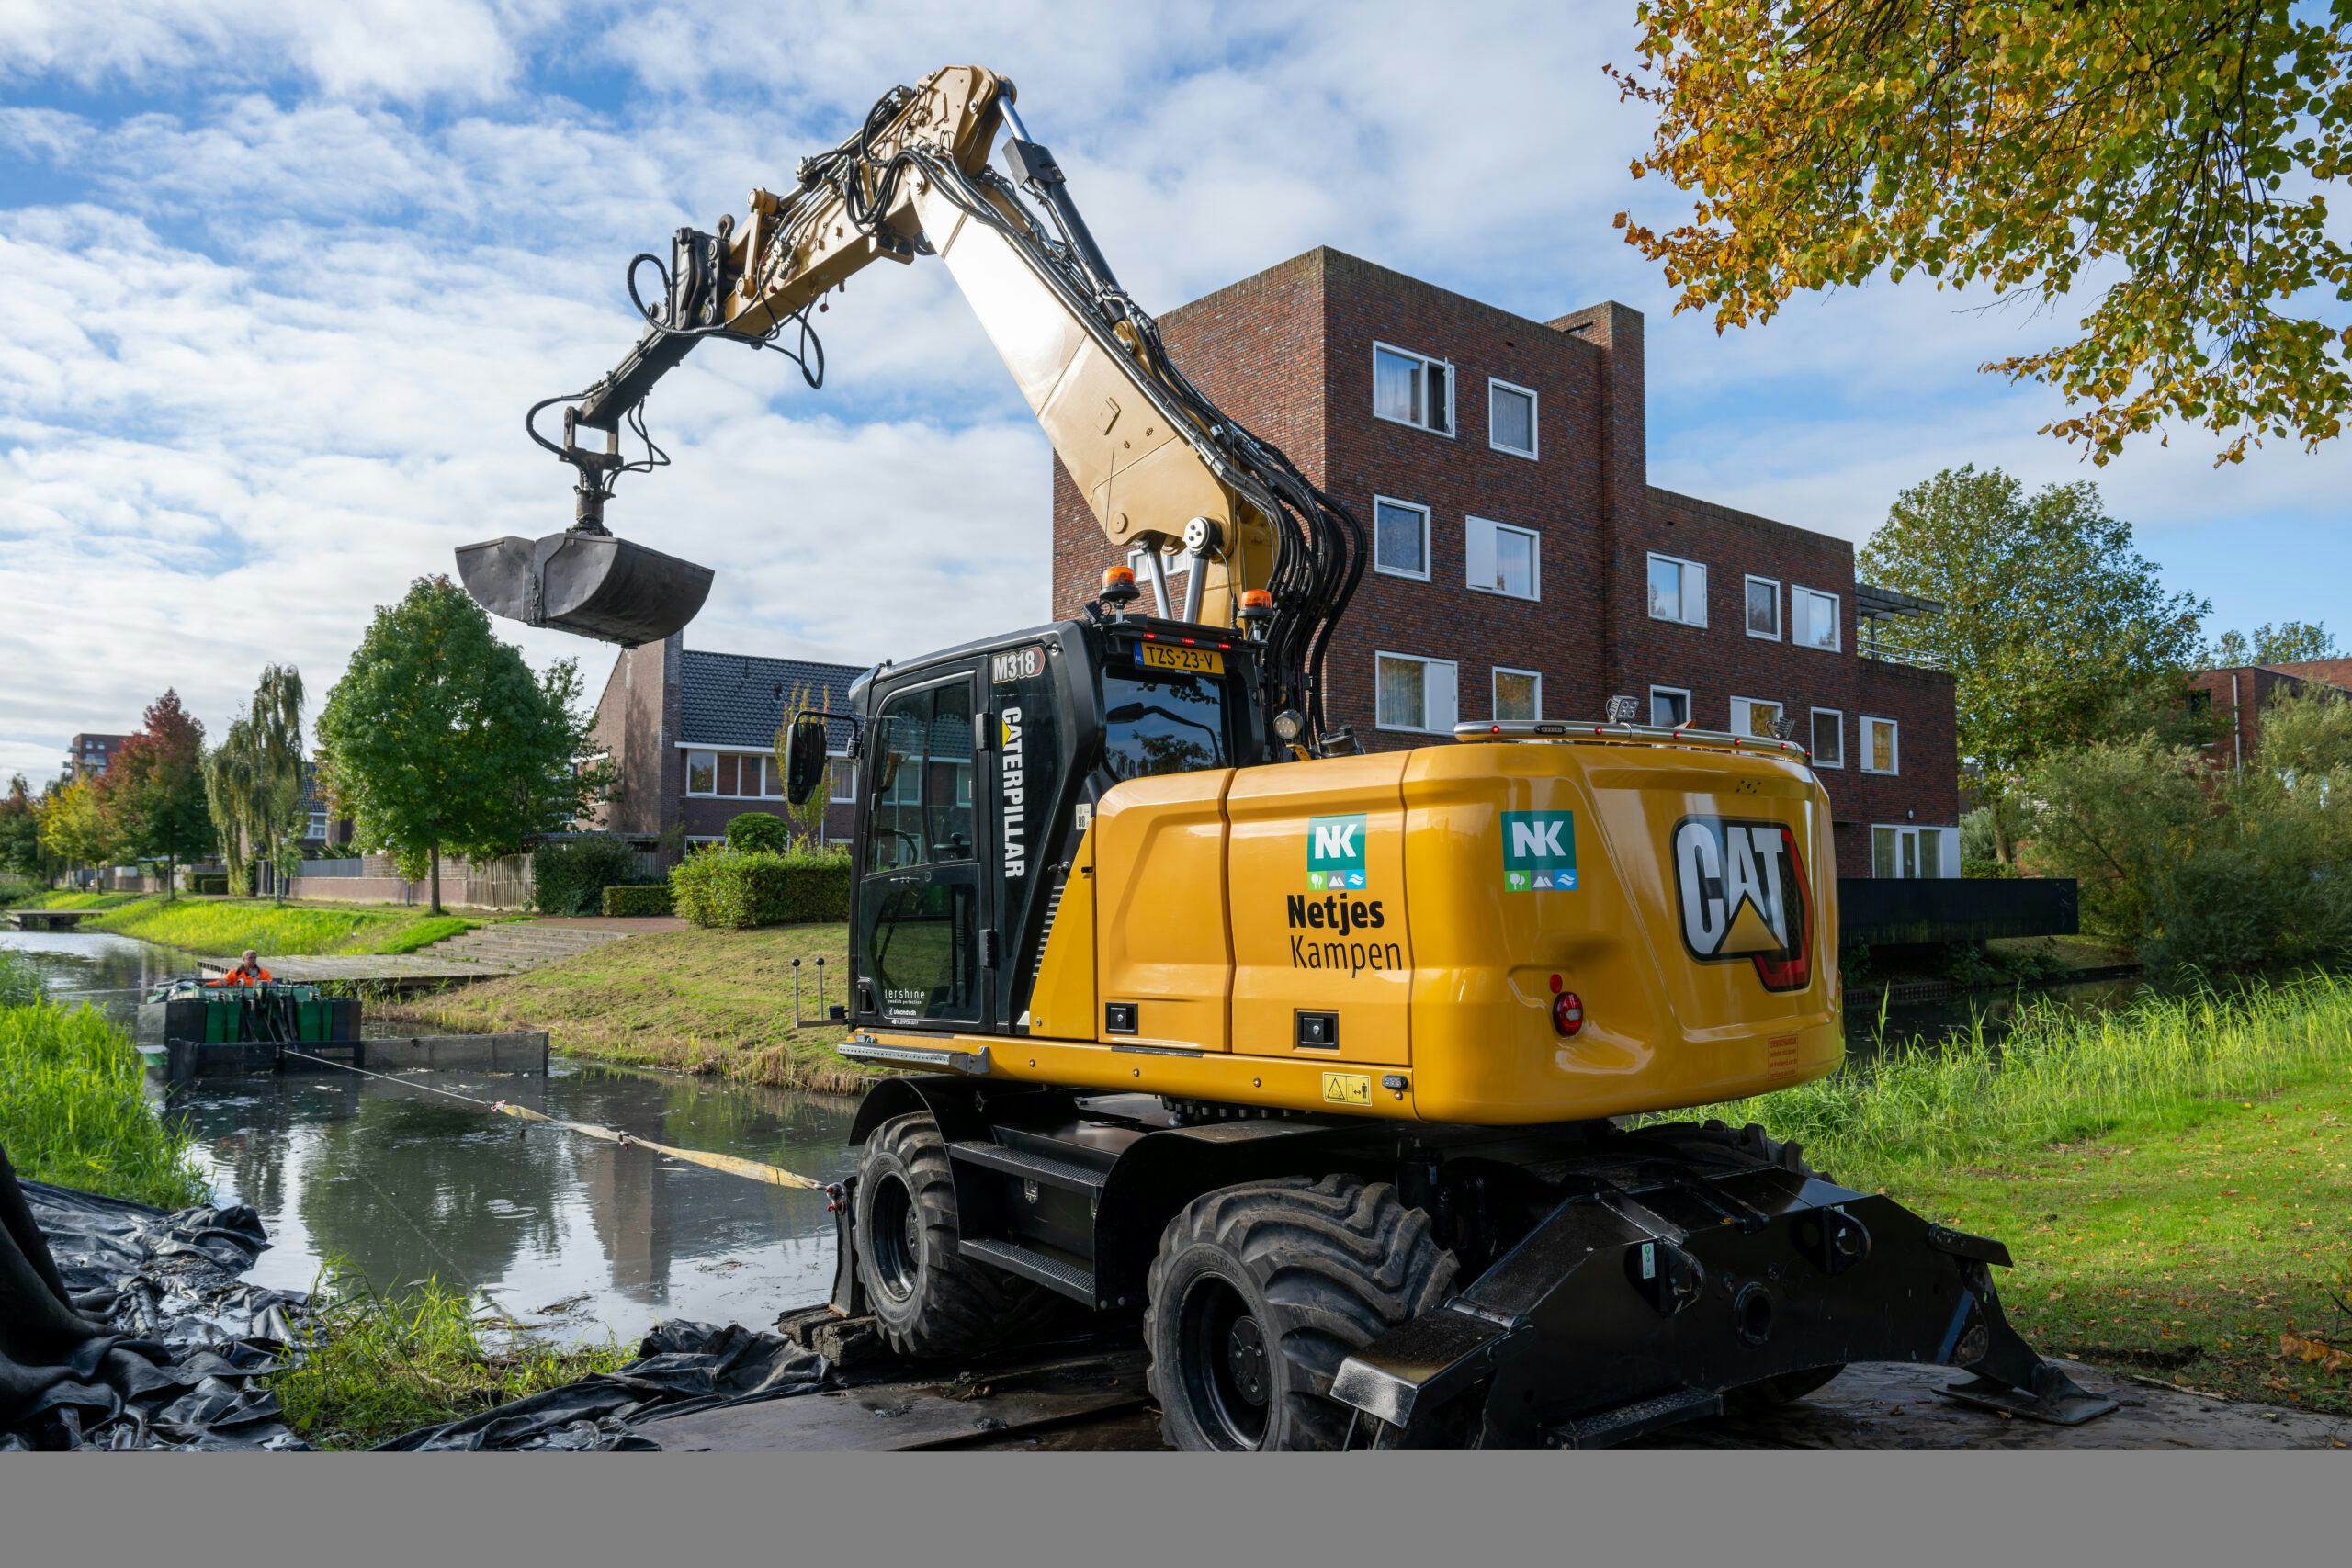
[(1741, 885)]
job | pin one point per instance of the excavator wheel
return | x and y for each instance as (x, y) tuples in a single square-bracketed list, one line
[(928, 1302), (1260, 1290)]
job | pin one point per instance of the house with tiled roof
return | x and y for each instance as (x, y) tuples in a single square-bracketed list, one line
[(692, 738)]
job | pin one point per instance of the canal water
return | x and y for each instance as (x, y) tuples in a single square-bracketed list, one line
[(583, 1237)]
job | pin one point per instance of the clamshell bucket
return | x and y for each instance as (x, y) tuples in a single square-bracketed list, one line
[(587, 581)]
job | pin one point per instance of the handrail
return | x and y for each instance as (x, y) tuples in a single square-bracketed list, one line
[(1652, 734)]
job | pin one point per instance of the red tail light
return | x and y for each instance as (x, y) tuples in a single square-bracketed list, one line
[(1568, 1013)]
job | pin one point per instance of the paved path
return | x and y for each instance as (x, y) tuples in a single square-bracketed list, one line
[(483, 953)]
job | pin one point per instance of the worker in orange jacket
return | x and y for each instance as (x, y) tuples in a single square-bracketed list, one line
[(248, 972)]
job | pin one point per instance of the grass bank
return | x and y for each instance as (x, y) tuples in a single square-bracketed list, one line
[(61, 899), (219, 926), (72, 1106), (698, 1000), (2174, 1178), (375, 1366)]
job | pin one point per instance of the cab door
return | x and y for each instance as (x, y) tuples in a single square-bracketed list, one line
[(920, 904)]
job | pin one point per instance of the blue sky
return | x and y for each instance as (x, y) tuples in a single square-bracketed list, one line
[(283, 276)]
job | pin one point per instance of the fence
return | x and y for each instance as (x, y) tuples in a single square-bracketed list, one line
[(1890, 911), (503, 884)]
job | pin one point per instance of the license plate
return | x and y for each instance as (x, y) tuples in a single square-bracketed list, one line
[(1196, 661)]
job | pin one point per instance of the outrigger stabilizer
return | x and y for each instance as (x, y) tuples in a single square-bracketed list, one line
[(1669, 1272)]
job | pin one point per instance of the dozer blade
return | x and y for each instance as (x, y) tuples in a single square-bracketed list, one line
[(595, 584)]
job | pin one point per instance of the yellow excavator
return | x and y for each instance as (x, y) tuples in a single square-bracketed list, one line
[(1343, 1072)]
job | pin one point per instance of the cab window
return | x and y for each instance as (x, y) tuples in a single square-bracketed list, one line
[(922, 783), (1163, 721)]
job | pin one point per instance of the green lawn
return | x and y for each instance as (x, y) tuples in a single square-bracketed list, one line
[(217, 926), (700, 1001)]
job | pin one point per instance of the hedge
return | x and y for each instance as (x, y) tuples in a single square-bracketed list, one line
[(207, 882), (735, 889), (638, 899), (758, 830), (568, 875)]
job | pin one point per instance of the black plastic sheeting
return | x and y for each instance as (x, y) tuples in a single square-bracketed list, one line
[(681, 1367), (124, 1327)]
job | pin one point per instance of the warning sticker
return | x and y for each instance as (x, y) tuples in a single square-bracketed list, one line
[(1346, 1089)]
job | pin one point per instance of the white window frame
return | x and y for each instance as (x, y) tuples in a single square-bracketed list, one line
[(1427, 559), (1688, 566), (838, 767), (1452, 423), (1837, 620), (1683, 692), (1494, 698), (1534, 558), (1811, 733), (1894, 747), (1938, 850), (1534, 407), (1731, 715), (1780, 619), (712, 793), (766, 760), (1426, 663)]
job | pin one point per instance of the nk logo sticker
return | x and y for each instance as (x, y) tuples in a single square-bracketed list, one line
[(1741, 888), (1539, 851), (1335, 848)]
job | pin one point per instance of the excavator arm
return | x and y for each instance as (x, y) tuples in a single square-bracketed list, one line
[(1161, 468)]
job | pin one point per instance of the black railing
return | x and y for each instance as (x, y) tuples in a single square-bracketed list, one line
[(1885, 911)]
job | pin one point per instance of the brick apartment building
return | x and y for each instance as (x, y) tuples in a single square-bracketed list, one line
[(2238, 693), (88, 756), (692, 736), (1524, 567)]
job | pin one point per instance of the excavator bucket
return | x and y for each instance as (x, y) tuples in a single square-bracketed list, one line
[(594, 583)]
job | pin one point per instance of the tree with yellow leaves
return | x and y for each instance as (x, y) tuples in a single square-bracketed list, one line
[(2168, 158)]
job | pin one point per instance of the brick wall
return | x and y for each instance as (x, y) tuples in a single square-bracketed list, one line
[(1289, 353), (2238, 696), (636, 720)]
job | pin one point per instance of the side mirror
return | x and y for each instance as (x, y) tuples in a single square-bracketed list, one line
[(804, 757)]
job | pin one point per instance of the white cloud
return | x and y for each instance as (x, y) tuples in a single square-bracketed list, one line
[(264, 359)]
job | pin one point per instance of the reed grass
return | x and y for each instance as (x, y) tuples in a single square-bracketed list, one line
[(2061, 1079), (376, 1364), (72, 1106)]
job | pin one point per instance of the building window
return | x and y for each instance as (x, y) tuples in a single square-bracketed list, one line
[(317, 829), (1907, 852), (771, 779), (1502, 559), (1829, 738), (842, 774), (1764, 608), (1412, 389), (1510, 418), (702, 773), (1400, 539), (1669, 706), (1813, 617), (1751, 717), (1880, 754), (1414, 693), (1519, 693), (1677, 591)]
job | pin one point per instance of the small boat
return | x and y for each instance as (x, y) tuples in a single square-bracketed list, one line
[(182, 1017)]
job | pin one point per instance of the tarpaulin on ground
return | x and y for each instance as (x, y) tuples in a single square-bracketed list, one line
[(125, 1327), (680, 1367)]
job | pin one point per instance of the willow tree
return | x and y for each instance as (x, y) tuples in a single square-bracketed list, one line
[(253, 782)]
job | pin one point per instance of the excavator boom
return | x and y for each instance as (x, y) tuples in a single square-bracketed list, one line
[(1162, 468)]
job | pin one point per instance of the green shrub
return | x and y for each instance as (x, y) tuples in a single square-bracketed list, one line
[(1991, 869), (638, 899), (735, 889), (568, 877), (759, 830), (14, 890), (214, 881)]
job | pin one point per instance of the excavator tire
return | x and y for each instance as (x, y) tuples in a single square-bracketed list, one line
[(928, 1302), (1260, 1290), (1774, 1392)]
